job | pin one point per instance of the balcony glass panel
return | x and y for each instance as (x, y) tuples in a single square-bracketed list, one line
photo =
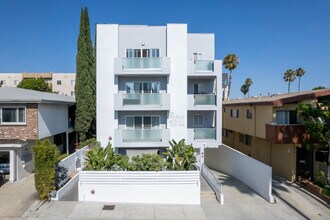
[(204, 133), (204, 99), (203, 65), (141, 99), (147, 135), (142, 63)]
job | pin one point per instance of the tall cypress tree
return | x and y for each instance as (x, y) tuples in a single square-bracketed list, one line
[(85, 80)]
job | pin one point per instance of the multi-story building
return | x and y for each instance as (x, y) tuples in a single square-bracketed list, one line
[(61, 83), (268, 129), (27, 116), (155, 84)]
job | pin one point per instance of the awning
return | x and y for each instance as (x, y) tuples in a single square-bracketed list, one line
[(134, 152)]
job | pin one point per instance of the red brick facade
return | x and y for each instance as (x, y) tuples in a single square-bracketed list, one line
[(28, 131)]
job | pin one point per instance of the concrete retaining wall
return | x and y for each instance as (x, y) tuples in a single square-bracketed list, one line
[(257, 175), (166, 187)]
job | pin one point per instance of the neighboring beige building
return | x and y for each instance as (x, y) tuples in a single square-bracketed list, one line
[(269, 130), (62, 83)]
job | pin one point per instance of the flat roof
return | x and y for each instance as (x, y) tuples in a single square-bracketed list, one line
[(17, 95), (279, 99)]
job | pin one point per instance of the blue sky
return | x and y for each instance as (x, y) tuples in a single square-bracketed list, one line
[(268, 36)]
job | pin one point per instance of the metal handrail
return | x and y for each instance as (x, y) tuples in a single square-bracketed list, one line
[(213, 181)]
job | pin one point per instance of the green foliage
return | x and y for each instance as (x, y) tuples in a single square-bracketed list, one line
[(299, 73), (326, 190), (180, 156), (147, 162), (321, 179), (38, 84), (318, 87), (85, 81), (91, 142), (289, 76), (230, 62), (245, 88), (63, 156), (46, 156), (101, 159)]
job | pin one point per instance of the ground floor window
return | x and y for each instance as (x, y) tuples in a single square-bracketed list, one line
[(245, 139)]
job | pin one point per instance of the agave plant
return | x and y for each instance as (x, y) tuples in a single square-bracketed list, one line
[(180, 156)]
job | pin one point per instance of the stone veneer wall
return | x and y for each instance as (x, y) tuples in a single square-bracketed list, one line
[(28, 131)]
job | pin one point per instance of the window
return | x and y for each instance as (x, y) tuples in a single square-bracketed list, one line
[(286, 117), (73, 82), (16, 82), (245, 139), (197, 88), (249, 114), (59, 82), (142, 87), (142, 122), (2, 82), (198, 120), (197, 56), (224, 109), (234, 113), (153, 52), (72, 93), (225, 132), (12, 115)]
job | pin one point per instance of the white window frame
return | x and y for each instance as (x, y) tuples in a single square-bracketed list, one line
[(141, 52), (197, 54), (13, 123), (142, 127), (201, 121)]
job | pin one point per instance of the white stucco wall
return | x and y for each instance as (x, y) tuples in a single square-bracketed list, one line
[(167, 187), (106, 51), (257, 175), (52, 119), (177, 51)]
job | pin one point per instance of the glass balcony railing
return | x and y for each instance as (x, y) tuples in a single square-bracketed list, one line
[(141, 99), (149, 135), (142, 63), (205, 133), (204, 99), (204, 65)]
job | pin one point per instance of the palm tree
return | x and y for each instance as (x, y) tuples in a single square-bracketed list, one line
[(299, 72), (244, 89), (289, 76), (230, 62), (248, 83)]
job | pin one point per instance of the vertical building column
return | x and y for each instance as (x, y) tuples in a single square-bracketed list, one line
[(177, 87), (13, 166), (218, 71), (106, 52), (67, 142)]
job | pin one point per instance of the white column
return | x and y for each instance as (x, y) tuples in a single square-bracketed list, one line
[(218, 69), (67, 142), (177, 87), (13, 166)]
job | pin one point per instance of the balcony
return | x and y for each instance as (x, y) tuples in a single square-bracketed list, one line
[(204, 68), (202, 102), (142, 101), (206, 137), (142, 65), (141, 138), (285, 134)]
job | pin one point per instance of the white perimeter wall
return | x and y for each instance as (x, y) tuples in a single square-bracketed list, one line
[(257, 175), (177, 87), (52, 119), (168, 187), (106, 51)]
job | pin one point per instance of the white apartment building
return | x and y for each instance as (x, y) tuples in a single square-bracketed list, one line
[(61, 83), (155, 84)]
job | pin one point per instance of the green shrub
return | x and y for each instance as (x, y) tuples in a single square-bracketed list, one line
[(46, 156), (91, 142), (326, 190), (321, 179), (147, 162), (180, 156)]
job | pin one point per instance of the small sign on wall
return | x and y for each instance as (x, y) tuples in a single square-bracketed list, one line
[(177, 120)]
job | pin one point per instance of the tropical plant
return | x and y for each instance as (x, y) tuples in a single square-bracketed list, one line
[(85, 81), (147, 162), (38, 84), (248, 83), (289, 76), (100, 159), (244, 89), (299, 73), (230, 62), (180, 156)]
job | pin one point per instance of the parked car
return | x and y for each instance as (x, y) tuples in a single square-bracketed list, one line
[(4, 165)]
